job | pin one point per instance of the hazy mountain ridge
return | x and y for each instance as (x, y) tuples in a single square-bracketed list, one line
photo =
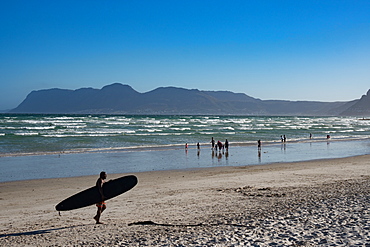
[(360, 107), (123, 99)]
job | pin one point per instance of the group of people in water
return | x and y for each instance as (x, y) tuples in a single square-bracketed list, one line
[(219, 145), (225, 146), (215, 146)]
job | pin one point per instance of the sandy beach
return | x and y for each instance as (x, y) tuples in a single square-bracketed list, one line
[(321, 202)]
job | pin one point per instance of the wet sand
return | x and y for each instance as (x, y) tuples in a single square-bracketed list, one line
[(321, 202)]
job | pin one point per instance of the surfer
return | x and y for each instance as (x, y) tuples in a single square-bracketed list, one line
[(101, 205)]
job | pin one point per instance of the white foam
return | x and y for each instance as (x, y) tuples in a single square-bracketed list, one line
[(180, 129), (39, 128), (26, 133)]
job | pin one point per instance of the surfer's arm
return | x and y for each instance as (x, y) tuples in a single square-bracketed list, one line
[(99, 184)]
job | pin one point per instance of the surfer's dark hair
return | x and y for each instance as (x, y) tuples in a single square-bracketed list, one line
[(102, 174)]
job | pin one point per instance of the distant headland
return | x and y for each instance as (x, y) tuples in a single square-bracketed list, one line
[(123, 99)]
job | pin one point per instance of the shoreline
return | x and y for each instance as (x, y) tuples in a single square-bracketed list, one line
[(281, 203), (84, 164), (152, 148), (195, 169)]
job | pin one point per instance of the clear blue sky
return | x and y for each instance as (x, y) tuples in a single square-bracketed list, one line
[(292, 50)]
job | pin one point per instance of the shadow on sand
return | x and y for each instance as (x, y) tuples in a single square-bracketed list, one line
[(151, 223), (37, 232)]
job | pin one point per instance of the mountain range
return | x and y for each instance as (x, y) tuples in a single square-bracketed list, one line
[(123, 99)]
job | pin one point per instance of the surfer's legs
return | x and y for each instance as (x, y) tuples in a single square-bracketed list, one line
[(97, 216), (100, 210)]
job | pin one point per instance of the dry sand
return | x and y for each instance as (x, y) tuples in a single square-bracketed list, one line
[(323, 202)]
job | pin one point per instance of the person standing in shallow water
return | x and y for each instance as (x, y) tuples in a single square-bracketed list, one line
[(101, 205), (213, 143), (259, 145), (219, 144)]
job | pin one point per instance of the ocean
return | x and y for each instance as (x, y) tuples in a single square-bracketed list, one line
[(49, 146)]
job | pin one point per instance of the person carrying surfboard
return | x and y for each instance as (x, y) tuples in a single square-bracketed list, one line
[(101, 205)]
